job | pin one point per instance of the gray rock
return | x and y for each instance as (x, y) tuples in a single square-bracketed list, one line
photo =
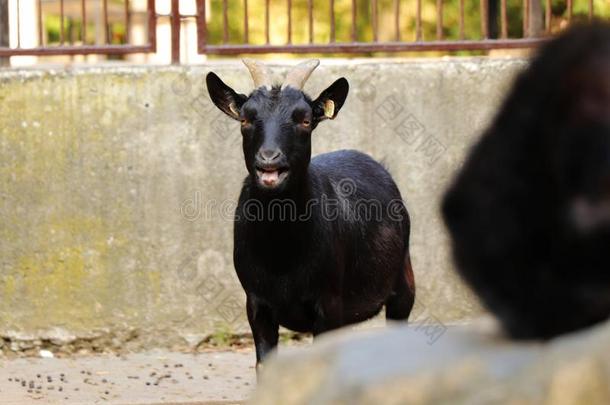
[(466, 365)]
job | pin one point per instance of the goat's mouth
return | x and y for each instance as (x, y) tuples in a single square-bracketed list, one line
[(271, 177)]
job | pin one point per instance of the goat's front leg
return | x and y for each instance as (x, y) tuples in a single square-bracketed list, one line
[(264, 325)]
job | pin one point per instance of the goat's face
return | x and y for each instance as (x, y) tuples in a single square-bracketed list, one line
[(276, 125)]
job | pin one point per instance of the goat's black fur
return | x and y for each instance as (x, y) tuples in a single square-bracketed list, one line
[(305, 253), (518, 236)]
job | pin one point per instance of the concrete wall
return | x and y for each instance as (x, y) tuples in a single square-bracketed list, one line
[(117, 186)]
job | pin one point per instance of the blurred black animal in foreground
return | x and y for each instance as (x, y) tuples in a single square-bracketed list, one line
[(529, 213), (318, 243)]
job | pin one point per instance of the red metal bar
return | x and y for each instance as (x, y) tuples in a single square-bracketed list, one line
[(267, 41), (504, 20), (462, 35), (289, 21), (70, 32), (152, 26), (77, 50), (127, 23), (397, 20), (363, 47), (225, 21), (439, 19), (418, 30), (106, 30), (570, 10), (375, 21), (310, 8), (40, 37), (526, 18), (332, 20), (547, 16), (202, 27), (590, 10), (175, 26), (354, 22), (83, 8), (484, 18), (246, 28)]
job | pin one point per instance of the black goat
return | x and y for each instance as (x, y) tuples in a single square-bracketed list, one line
[(529, 214), (317, 245)]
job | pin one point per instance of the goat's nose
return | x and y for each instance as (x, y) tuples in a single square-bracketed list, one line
[(269, 155)]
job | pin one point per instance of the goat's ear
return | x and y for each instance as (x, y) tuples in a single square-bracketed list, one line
[(224, 97), (330, 101)]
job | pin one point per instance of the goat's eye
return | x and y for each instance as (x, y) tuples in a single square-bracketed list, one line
[(306, 122), (244, 122)]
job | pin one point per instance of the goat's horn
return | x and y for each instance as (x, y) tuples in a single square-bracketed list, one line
[(299, 75), (260, 73)]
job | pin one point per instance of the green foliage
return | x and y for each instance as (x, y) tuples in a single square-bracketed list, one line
[(222, 338), (53, 27), (73, 31)]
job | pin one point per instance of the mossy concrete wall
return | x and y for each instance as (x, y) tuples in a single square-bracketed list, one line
[(117, 186)]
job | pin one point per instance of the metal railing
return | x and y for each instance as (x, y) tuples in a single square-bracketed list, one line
[(534, 30), (396, 27), (71, 41)]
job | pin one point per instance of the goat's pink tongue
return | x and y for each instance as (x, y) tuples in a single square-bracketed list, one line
[(270, 178)]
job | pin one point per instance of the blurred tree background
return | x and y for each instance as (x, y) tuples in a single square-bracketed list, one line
[(343, 19)]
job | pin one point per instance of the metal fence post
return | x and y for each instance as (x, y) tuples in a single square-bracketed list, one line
[(175, 20), (536, 22), (4, 31)]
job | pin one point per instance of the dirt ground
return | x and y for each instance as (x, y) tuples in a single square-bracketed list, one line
[(159, 377)]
